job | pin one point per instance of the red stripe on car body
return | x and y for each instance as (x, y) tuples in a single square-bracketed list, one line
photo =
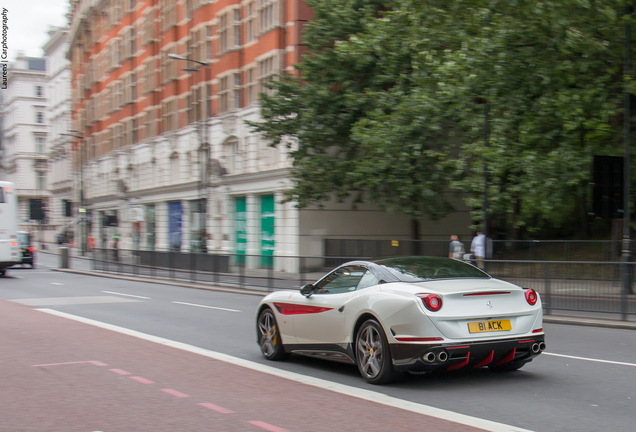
[(296, 309)]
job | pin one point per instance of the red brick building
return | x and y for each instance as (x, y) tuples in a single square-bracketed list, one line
[(142, 117)]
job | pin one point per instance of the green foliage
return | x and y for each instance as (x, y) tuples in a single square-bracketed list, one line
[(391, 106)]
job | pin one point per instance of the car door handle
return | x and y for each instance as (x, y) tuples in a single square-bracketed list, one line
[(341, 308)]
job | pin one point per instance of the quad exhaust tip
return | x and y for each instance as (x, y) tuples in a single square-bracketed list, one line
[(535, 348), (542, 346), (442, 356)]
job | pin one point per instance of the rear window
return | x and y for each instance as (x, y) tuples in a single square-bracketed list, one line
[(23, 239), (418, 269)]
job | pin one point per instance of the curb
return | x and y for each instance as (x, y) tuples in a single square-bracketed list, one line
[(550, 319)]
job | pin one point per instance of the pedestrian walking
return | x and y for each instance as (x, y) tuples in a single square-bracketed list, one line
[(456, 249), (478, 248), (115, 248)]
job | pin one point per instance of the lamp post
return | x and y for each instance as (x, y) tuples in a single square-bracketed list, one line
[(81, 209), (204, 149)]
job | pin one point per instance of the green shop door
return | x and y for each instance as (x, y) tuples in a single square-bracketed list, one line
[(240, 221), (268, 221)]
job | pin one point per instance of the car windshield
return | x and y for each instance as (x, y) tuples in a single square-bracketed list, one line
[(418, 269), (23, 238)]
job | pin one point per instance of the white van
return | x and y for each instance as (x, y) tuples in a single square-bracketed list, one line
[(9, 246)]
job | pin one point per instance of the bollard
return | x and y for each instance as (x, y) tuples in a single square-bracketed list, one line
[(63, 257)]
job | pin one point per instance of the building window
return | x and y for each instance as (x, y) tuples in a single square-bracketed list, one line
[(237, 27), (251, 29), (267, 18), (223, 94), (174, 168), (237, 91), (169, 115), (266, 73), (39, 117), (133, 87), (39, 144), (208, 43), (232, 156), (40, 180), (149, 27), (39, 91), (223, 33), (252, 95)]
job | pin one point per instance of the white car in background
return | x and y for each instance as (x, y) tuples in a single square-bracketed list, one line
[(402, 314)]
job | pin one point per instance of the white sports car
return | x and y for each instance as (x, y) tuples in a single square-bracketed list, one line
[(413, 314)]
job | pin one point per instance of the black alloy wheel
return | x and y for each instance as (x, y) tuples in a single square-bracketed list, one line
[(373, 354), (269, 336)]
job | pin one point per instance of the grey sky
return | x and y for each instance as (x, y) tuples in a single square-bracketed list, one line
[(29, 21)]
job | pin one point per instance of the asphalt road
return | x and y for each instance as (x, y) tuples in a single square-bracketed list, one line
[(584, 381)]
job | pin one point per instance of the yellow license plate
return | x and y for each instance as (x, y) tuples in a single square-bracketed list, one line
[(22, 250), (489, 326)]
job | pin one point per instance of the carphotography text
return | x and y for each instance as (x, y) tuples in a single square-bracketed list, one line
[(5, 48)]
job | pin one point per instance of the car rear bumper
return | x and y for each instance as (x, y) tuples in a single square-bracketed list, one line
[(450, 356)]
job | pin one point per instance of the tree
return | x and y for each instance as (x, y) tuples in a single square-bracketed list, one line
[(388, 106)]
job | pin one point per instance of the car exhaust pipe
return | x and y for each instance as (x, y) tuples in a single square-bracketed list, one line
[(542, 346), (442, 356), (429, 357), (535, 348)]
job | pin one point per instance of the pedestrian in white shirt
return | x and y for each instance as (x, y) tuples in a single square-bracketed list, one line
[(478, 248)]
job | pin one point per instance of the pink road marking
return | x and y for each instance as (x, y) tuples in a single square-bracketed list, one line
[(93, 362), (175, 393), (120, 371), (141, 380), (217, 408), (267, 426)]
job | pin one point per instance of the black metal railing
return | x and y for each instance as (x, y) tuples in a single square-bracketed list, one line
[(592, 287), (545, 250)]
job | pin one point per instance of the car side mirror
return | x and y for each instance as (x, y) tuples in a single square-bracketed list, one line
[(307, 290)]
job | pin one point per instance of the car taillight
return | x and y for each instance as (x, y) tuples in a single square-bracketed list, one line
[(531, 296), (32, 249), (432, 302)]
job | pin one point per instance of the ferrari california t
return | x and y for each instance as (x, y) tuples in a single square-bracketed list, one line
[(405, 314)]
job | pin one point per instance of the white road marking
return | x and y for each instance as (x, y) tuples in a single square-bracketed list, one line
[(590, 359), (48, 265), (127, 295), (64, 301), (56, 283), (18, 277), (204, 306), (315, 382)]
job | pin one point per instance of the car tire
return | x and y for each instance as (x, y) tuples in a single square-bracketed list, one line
[(373, 354), (508, 367), (269, 336)]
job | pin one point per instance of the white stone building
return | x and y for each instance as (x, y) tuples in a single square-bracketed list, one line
[(62, 212), (25, 130)]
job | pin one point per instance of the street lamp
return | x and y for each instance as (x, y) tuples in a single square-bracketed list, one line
[(81, 209), (204, 149)]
